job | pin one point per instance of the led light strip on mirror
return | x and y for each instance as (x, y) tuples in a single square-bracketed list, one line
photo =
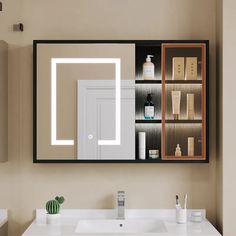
[(54, 62)]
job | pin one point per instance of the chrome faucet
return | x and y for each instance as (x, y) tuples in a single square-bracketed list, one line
[(121, 205)]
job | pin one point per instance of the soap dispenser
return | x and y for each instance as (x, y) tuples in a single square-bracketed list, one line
[(148, 69), (149, 109)]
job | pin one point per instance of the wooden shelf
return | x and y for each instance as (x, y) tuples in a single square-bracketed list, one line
[(183, 81), (183, 158), (139, 121), (183, 121), (148, 121), (148, 81)]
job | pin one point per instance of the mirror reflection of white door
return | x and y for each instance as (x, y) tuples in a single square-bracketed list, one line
[(96, 120)]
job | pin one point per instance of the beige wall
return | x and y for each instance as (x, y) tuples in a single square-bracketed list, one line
[(3, 100), (229, 117), (26, 186), (4, 230), (219, 120)]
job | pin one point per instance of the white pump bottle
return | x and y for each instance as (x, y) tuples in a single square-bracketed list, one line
[(148, 69)]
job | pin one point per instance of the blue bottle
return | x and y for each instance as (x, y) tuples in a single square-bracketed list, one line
[(149, 109)]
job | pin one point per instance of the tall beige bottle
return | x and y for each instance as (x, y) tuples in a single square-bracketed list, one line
[(148, 69)]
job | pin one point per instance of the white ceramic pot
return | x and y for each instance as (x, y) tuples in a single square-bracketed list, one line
[(53, 219)]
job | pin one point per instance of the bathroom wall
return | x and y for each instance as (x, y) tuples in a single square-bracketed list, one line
[(3, 230), (26, 186), (219, 115), (229, 116)]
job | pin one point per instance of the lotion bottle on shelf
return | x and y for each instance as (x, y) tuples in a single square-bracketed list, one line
[(178, 152), (149, 109), (148, 69)]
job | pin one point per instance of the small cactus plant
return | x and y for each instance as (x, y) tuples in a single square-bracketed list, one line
[(53, 206)]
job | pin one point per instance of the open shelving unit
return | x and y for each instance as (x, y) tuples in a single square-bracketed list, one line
[(164, 132)]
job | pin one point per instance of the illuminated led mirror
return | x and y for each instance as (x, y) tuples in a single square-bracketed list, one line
[(84, 101)]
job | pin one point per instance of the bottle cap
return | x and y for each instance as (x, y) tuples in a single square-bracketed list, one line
[(148, 59), (149, 97), (178, 149)]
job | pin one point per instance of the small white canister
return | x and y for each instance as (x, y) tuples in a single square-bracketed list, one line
[(196, 216)]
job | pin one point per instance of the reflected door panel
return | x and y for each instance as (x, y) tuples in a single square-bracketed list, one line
[(97, 120)]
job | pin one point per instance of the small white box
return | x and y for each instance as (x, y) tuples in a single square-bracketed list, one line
[(190, 146), (190, 106), (191, 68), (178, 68)]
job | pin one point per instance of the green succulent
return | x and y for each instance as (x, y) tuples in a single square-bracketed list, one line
[(53, 206)]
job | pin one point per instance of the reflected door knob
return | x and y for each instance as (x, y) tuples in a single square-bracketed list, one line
[(90, 136)]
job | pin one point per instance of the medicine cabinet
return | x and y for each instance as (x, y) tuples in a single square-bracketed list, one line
[(3, 101), (189, 130), (90, 96)]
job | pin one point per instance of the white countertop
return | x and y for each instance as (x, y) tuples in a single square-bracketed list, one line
[(3, 217), (69, 219)]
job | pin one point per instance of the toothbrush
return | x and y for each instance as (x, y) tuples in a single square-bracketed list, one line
[(185, 201), (177, 201)]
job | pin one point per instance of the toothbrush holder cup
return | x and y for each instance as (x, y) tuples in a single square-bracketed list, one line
[(181, 216)]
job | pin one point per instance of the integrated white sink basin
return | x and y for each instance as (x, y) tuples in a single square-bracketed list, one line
[(127, 226)]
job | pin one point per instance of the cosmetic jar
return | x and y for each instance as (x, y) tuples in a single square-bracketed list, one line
[(154, 154), (196, 216)]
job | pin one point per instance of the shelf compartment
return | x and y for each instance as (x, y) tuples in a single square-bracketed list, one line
[(185, 89), (153, 138), (178, 134), (141, 52), (140, 98), (184, 50)]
